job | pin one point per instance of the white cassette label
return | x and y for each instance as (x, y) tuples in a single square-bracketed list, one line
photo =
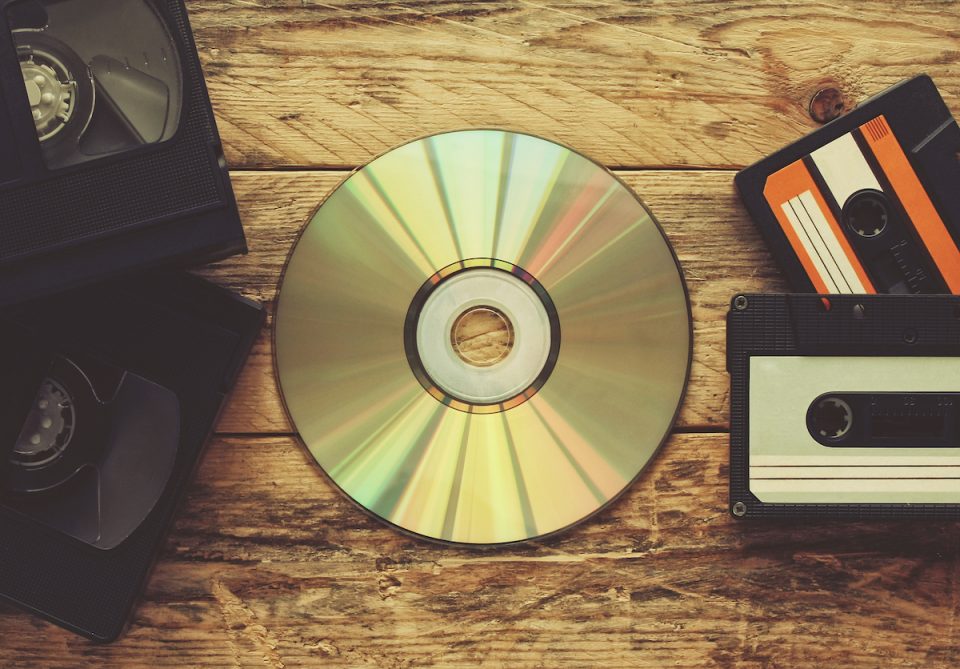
[(789, 466)]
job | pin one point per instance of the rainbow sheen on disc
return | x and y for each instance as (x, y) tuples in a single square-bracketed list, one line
[(570, 284)]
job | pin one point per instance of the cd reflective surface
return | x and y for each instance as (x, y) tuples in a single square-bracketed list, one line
[(482, 337)]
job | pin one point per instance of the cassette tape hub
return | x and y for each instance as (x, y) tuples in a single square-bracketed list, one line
[(844, 405), (111, 158)]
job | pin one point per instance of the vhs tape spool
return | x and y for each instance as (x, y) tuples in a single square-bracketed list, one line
[(114, 391), (844, 405), (111, 159), (869, 203)]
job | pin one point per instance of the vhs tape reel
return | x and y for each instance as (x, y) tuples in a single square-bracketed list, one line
[(114, 389), (100, 78), (111, 158), (844, 405), (95, 452)]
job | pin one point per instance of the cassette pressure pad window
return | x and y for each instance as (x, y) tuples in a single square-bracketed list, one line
[(102, 77)]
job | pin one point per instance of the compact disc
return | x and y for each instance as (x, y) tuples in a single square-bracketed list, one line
[(482, 337)]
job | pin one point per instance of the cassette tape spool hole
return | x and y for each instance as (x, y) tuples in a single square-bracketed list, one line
[(867, 213), (829, 418)]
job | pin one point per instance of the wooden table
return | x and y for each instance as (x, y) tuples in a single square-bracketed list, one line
[(267, 566)]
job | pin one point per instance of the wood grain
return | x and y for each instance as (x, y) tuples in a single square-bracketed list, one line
[(668, 83), (268, 566)]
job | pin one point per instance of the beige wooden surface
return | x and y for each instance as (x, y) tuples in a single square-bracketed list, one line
[(267, 566)]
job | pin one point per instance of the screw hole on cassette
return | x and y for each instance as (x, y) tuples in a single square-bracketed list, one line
[(740, 302), (910, 336), (739, 509), (858, 312)]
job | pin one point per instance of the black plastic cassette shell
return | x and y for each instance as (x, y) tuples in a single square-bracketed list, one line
[(853, 325), (185, 334), (929, 136), (169, 203)]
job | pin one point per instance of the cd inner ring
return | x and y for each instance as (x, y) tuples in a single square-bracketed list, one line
[(499, 360)]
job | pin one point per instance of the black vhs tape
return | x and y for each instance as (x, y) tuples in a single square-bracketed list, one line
[(110, 159), (870, 202), (844, 405), (110, 393)]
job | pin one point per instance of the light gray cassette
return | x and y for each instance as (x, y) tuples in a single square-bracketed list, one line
[(844, 405)]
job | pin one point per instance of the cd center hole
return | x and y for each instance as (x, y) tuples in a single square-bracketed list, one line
[(482, 336)]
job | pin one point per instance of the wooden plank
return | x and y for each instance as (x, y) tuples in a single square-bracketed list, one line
[(670, 83), (719, 249), (268, 566)]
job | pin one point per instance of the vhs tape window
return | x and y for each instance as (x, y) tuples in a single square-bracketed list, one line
[(102, 77)]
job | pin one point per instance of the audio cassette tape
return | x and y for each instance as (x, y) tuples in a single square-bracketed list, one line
[(110, 393), (844, 405), (110, 158), (869, 203)]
